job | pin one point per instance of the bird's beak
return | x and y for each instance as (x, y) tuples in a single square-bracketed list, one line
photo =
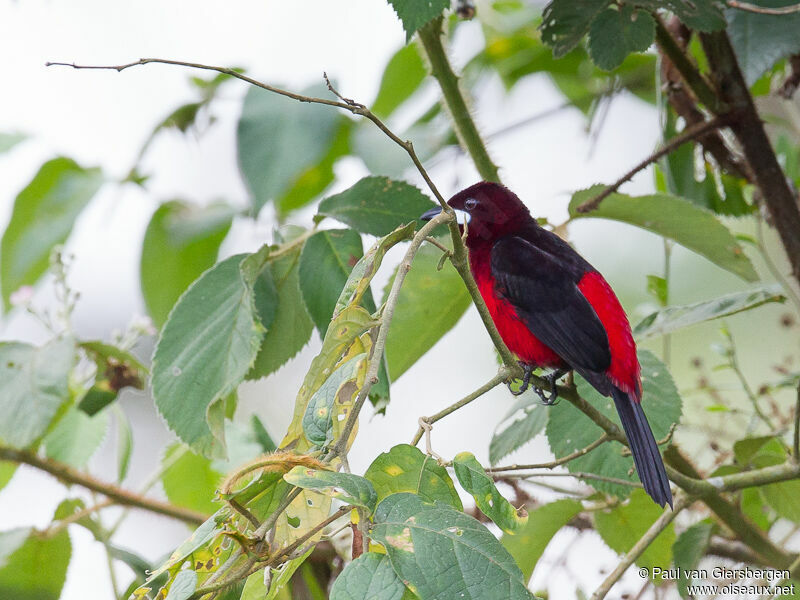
[(462, 217)]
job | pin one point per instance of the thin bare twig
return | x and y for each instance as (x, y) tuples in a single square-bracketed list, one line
[(578, 475), (555, 463), (764, 10), (690, 133)]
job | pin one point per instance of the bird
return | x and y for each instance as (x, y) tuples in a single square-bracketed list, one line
[(553, 309)]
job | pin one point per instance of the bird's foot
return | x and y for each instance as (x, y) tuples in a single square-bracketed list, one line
[(526, 380), (550, 400)]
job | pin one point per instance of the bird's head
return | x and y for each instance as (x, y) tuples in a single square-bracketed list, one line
[(489, 210)]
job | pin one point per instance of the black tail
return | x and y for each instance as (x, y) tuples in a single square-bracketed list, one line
[(643, 446)]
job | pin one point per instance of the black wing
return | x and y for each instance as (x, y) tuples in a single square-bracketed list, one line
[(540, 281)]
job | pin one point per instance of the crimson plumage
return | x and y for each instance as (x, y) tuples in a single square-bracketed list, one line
[(553, 309)]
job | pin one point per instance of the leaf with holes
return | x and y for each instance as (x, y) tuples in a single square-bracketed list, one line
[(349, 488)]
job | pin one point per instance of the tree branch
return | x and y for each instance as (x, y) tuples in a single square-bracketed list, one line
[(67, 474), (690, 133), (763, 10), (555, 463)]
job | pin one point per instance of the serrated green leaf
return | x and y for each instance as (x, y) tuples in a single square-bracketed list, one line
[(519, 432), (370, 576), (674, 218), (569, 430), (621, 527), (565, 22), (36, 569), (761, 40), (401, 78), (405, 468), (673, 318), (703, 15), (376, 205), (528, 544), (416, 13), (43, 215), (278, 139), (181, 242), (190, 480), (35, 387), (489, 500), (349, 488), (616, 32), (206, 347), (429, 305), (688, 549), (291, 326), (76, 437), (441, 553)]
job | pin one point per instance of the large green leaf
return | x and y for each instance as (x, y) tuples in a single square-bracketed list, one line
[(181, 241), (190, 480), (441, 553), (569, 430), (376, 205), (76, 437), (36, 569), (488, 499), (565, 22), (528, 544), (674, 218), (622, 526), (279, 139), (673, 318), (401, 78), (688, 550), (430, 303), (369, 577), (349, 488), (43, 216), (782, 496), (416, 13), (520, 431), (206, 347), (761, 40), (34, 388), (406, 469), (617, 32), (291, 326)]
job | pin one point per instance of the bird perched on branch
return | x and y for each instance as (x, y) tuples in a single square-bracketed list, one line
[(553, 309)]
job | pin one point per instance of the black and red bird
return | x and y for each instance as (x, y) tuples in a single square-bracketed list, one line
[(553, 309)]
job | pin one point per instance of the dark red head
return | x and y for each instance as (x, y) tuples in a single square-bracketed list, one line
[(491, 211)]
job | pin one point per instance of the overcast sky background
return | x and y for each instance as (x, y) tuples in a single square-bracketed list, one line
[(102, 118)]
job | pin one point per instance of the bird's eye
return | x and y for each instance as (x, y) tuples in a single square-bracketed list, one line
[(470, 203)]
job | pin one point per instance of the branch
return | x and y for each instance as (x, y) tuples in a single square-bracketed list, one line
[(660, 525), (582, 476), (68, 475), (467, 132), (690, 133), (502, 375), (555, 463), (763, 10)]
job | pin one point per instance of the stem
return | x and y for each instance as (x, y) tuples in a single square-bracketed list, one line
[(581, 475), (67, 474), (555, 463), (667, 341), (442, 71), (763, 10), (656, 528)]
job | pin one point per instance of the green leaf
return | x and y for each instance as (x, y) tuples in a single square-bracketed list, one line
[(181, 242), (349, 488), (488, 498), (416, 13), (376, 205), (190, 480), (782, 496), (206, 347), (124, 445), (673, 318), (291, 327), (441, 553), (658, 288), (326, 261), (688, 550), (616, 32), (406, 469), (43, 216), (256, 589), (76, 437), (429, 305), (569, 430), (370, 576), (35, 387), (36, 569), (520, 431), (528, 544), (184, 585), (674, 218), (402, 76), (9, 140), (7, 470), (759, 40), (703, 15), (565, 22), (279, 139)]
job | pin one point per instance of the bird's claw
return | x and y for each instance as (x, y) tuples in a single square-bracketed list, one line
[(526, 380), (551, 379)]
